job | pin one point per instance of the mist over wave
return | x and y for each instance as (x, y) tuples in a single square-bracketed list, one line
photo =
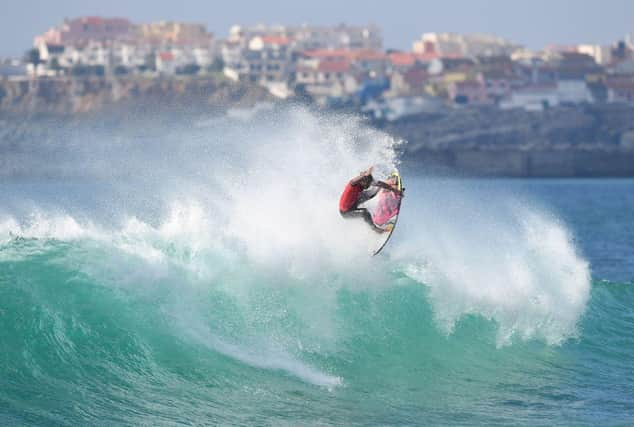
[(227, 231)]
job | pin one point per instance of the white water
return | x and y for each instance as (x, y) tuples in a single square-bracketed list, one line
[(232, 203)]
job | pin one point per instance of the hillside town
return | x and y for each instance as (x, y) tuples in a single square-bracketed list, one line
[(340, 66)]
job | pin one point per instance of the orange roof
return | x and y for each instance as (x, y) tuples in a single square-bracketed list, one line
[(367, 54), (405, 59), (166, 56), (402, 58), (279, 40), (327, 53), (333, 66)]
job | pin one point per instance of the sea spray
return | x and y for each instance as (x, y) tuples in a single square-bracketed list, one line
[(173, 272), (495, 255), (263, 191)]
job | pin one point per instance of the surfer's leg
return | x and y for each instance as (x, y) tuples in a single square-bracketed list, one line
[(367, 194), (365, 214)]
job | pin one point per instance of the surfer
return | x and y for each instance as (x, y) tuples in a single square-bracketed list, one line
[(358, 191)]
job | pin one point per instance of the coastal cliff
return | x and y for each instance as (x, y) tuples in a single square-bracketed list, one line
[(68, 95), (565, 142)]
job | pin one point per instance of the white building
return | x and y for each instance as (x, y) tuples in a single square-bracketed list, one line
[(535, 98), (342, 36), (326, 78), (394, 108), (265, 59), (454, 44), (166, 63), (314, 37), (573, 92), (601, 54)]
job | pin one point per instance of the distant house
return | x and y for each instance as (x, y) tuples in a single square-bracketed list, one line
[(463, 44), (165, 63), (50, 51), (575, 66), (402, 62), (499, 84), (449, 64), (373, 62), (620, 90), (601, 54), (472, 92), (115, 43), (410, 81), (310, 37), (574, 92), (325, 78), (532, 98), (398, 107), (264, 60), (170, 33), (623, 67), (86, 29)]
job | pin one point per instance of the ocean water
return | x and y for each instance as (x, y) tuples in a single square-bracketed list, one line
[(197, 272)]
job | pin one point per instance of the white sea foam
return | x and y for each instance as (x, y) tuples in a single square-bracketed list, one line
[(482, 252), (263, 196), (263, 356)]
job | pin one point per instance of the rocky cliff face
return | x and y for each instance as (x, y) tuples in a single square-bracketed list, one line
[(567, 141), (595, 140), (65, 95)]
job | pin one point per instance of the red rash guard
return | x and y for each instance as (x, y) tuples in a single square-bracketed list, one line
[(349, 197)]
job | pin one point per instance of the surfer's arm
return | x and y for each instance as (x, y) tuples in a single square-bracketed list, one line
[(362, 176), (357, 180), (387, 186)]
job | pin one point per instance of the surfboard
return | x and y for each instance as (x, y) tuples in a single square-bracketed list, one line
[(386, 212)]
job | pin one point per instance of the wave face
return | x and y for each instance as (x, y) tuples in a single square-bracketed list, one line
[(199, 272)]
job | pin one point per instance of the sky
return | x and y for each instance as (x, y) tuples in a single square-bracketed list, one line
[(532, 23)]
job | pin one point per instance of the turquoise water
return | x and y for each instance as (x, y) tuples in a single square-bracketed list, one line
[(207, 278)]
